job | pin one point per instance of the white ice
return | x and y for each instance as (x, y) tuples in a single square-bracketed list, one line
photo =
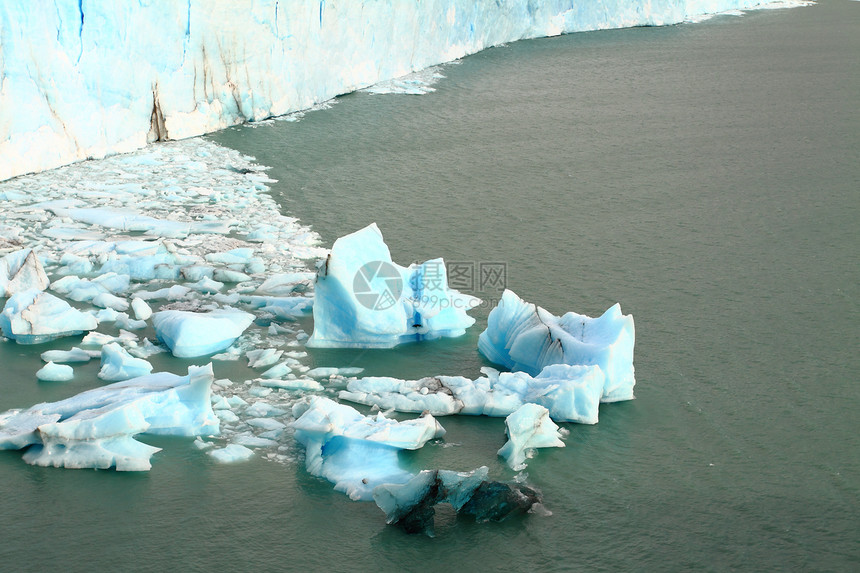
[(51, 372), (20, 271)]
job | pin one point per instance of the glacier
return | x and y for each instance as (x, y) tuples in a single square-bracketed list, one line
[(82, 80)]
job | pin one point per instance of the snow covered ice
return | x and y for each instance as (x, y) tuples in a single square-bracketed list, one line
[(96, 428), (522, 336), (365, 300)]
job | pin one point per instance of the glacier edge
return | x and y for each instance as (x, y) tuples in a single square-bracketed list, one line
[(68, 93)]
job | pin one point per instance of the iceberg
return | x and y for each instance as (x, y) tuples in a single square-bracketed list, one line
[(571, 393), (203, 66), (190, 334), (118, 364), (97, 428), (356, 452), (411, 506), (20, 271), (34, 317), (528, 428), (364, 300), (522, 336)]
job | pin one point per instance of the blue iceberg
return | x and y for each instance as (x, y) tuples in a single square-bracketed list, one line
[(20, 271), (96, 428), (365, 300), (356, 452), (190, 334), (522, 336)]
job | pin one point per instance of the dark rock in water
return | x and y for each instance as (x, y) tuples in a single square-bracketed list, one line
[(411, 506), (494, 501)]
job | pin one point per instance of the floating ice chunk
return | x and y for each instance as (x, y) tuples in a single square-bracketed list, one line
[(206, 286), (20, 271), (277, 371), (263, 410), (571, 393), (297, 384), (85, 290), (411, 505), (521, 336), (145, 349), (33, 317), (118, 364), (363, 299), (96, 428), (327, 372), (232, 453), (263, 357), (357, 452), (63, 356), (141, 310), (252, 441), (284, 284), (51, 372), (528, 428), (190, 334), (107, 300)]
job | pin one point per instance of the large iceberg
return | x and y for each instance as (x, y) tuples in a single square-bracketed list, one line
[(34, 317), (363, 299), (570, 393), (356, 452), (96, 428), (522, 336), (68, 93)]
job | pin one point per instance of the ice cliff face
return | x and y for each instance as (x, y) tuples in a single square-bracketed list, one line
[(83, 79)]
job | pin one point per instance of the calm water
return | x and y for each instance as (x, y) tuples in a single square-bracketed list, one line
[(707, 177)]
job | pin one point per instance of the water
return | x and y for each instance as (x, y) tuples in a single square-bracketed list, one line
[(704, 176)]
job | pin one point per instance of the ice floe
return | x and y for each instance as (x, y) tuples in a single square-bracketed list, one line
[(34, 317), (96, 429), (190, 334)]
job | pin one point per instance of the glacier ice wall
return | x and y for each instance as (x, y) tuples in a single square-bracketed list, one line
[(83, 79)]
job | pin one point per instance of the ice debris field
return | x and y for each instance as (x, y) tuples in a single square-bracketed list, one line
[(179, 251)]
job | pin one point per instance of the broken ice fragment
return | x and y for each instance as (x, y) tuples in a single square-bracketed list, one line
[(528, 428), (34, 317), (191, 334)]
